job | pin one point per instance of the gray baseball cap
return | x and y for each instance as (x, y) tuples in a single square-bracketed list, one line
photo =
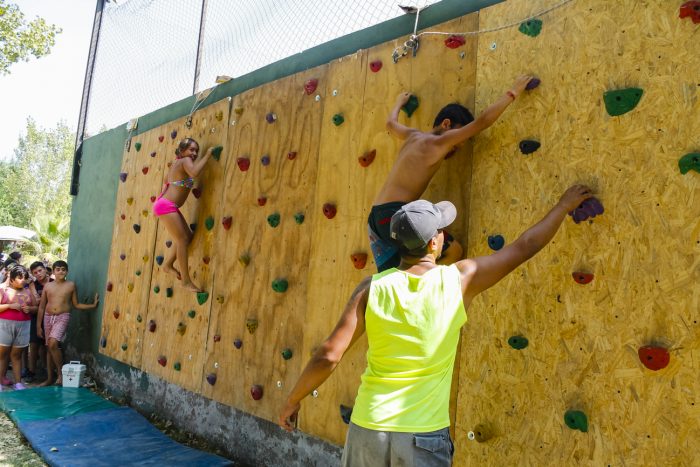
[(417, 222)]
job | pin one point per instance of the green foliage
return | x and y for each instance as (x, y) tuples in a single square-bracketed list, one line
[(19, 38), (51, 242)]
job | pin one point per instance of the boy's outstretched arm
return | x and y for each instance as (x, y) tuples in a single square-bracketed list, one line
[(392, 121), (350, 327), (480, 273), (84, 306)]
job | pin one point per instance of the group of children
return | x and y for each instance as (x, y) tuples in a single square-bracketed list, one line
[(35, 309)]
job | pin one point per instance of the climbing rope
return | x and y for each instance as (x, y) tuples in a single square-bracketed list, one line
[(201, 97)]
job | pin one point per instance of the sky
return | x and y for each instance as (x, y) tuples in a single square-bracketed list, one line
[(48, 89)]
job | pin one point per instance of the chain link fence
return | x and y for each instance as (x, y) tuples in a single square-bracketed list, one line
[(146, 56)]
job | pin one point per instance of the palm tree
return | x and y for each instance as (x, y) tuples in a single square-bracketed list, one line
[(51, 241)]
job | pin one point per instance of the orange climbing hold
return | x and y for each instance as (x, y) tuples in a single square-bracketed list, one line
[(359, 260)]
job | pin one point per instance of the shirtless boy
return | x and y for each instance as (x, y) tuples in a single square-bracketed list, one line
[(419, 159), (54, 312)]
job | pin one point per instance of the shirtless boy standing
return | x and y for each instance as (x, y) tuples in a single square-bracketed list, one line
[(419, 159), (54, 312)]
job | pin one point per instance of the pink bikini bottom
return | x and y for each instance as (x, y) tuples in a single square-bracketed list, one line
[(164, 206)]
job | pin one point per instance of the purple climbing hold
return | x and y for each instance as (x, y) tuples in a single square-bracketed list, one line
[(211, 379), (173, 134), (265, 160), (122, 176), (532, 84), (590, 208), (238, 343), (271, 117)]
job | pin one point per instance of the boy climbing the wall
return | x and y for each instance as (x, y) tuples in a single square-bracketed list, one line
[(419, 159), (54, 312)]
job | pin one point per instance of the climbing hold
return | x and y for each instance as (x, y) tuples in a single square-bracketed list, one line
[(196, 192), (137, 272), (216, 152), (173, 134), (271, 117), (193, 226), (455, 41), (145, 258), (244, 259), (689, 162), (262, 200), (161, 138), (238, 343), (123, 217), (480, 433), (590, 207), (220, 299), (531, 27), (582, 277), (144, 213), (528, 146), (169, 292), (375, 65), (152, 326), (211, 379), (139, 318), (256, 391), (124, 347), (159, 260), (243, 163), (162, 360), (238, 111), (219, 115), (153, 199), (217, 338), (517, 342), (359, 260), (496, 242), (137, 228), (654, 358), (130, 201), (299, 218), (345, 413), (265, 160), (202, 297), (103, 342), (122, 176), (690, 10), (144, 170), (273, 219), (622, 101), (310, 86), (177, 366), (206, 260), (156, 289), (209, 223), (137, 146), (181, 328), (287, 354), (116, 314), (122, 256), (338, 119), (576, 420), (251, 324), (291, 155), (280, 285), (532, 84), (329, 210), (367, 158), (153, 154), (410, 106), (226, 222), (168, 243), (191, 313), (130, 287)]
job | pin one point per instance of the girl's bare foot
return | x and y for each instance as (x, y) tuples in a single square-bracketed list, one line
[(48, 382), (191, 287), (171, 270), (59, 382)]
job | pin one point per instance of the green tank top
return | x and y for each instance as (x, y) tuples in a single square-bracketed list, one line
[(413, 325)]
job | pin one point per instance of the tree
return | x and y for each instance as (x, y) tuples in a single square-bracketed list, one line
[(19, 39), (51, 242)]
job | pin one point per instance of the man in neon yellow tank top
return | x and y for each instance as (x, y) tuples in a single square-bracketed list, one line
[(412, 315)]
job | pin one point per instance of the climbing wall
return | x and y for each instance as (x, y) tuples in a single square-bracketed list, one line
[(643, 252)]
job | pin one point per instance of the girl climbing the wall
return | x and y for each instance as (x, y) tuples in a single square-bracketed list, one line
[(178, 183)]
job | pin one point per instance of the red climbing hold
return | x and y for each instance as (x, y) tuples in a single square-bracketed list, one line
[(291, 155), (329, 210), (256, 391), (226, 222), (375, 66), (153, 154), (359, 260), (262, 200), (217, 338), (153, 199), (116, 314), (152, 326), (123, 216), (206, 259), (196, 192), (691, 10), (243, 163), (161, 138), (310, 86), (455, 41), (162, 361), (144, 170), (109, 286), (367, 158), (654, 358), (582, 277)]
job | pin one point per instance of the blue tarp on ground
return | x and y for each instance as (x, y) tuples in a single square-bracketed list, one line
[(50, 402), (118, 436)]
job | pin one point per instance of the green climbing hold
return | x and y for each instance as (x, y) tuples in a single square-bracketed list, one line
[(124, 346), (410, 106), (299, 218), (177, 366), (156, 289), (287, 354), (216, 152), (169, 292), (202, 297), (191, 313), (137, 146), (280, 285), (338, 119), (622, 101), (689, 162), (209, 223), (139, 318), (531, 27), (138, 273), (517, 342), (576, 420), (273, 219)]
